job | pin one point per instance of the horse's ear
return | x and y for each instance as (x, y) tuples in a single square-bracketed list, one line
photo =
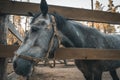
[(44, 7)]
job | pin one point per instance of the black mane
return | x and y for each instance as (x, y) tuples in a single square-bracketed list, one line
[(60, 20), (35, 16)]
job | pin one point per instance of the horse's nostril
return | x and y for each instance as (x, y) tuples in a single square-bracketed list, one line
[(15, 64)]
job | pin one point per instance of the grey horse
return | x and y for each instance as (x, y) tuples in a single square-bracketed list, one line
[(73, 34)]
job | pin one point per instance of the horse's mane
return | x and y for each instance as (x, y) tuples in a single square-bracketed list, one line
[(34, 17), (60, 20), (89, 37)]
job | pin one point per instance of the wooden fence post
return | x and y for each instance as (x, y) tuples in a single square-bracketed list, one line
[(3, 40)]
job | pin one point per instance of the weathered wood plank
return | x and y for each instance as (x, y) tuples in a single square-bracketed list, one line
[(22, 8), (7, 50), (90, 54), (70, 53)]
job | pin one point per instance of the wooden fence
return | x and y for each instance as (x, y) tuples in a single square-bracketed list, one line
[(21, 8)]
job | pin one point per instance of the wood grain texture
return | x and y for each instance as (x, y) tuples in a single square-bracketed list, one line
[(22, 8), (87, 54), (71, 53)]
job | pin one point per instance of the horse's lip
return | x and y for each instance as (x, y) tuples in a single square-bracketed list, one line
[(20, 74)]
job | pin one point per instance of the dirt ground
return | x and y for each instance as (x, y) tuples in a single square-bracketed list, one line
[(61, 72)]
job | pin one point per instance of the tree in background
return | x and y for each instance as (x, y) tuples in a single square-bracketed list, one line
[(11, 39), (17, 22), (104, 27), (111, 7)]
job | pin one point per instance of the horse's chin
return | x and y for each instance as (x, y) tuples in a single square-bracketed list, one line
[(23, 67)]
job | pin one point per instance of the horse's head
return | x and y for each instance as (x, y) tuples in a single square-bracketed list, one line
[(37, 43)]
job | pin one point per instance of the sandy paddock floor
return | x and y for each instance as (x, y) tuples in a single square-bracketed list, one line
[(61, 72)]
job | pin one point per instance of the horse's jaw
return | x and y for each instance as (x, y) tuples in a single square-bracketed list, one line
[(23, 67)]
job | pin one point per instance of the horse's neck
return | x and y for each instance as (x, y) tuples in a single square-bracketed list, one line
[(72, 36), (65, 40)]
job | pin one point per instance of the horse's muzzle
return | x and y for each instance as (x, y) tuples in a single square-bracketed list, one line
[(22, 67)]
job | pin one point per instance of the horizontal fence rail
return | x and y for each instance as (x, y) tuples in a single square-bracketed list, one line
[(87, 54), (71, 53), (22, 8), (7, 51)]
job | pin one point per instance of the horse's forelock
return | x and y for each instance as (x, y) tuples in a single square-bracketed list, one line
[(35, 17)]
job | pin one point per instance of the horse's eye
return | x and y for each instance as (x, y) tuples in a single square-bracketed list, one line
[(34, 29), (43, 23)]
